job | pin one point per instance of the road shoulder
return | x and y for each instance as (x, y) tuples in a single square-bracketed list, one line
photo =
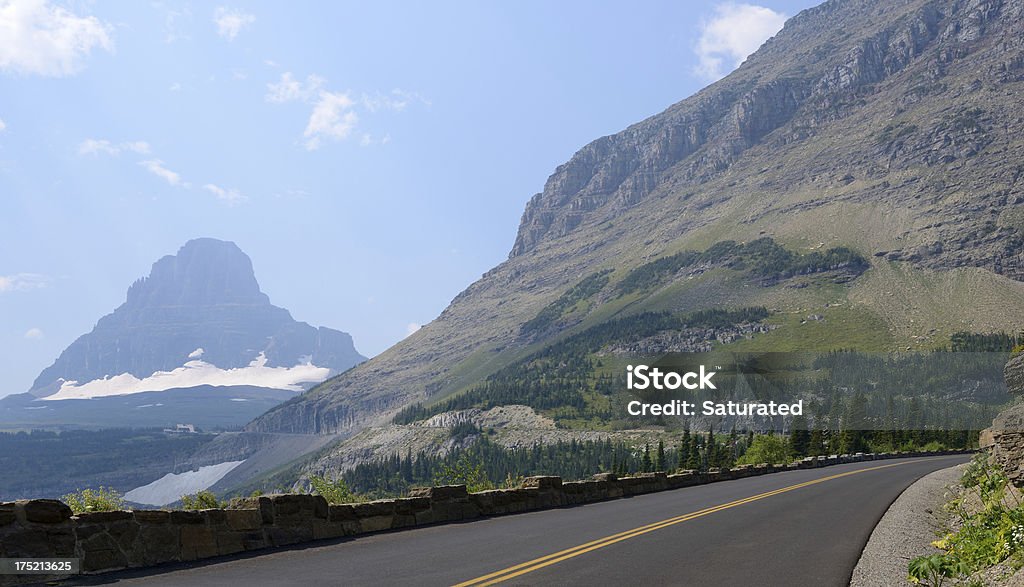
[(906, 530)]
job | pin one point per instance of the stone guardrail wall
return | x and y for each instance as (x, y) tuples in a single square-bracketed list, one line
[(107, 541)]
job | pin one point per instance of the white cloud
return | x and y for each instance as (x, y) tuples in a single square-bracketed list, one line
[(3, 125), (156, 167), (226, 195), (34, 334), (231, 21), (288, 88), (175, 87), (367, 140), (292, 194), (23, 282), (378, 101), (396, 100), (176, 22), (335, 114), (37, 38), (105, 147), (140, 147), (332, 118), (735, 31), (412, 328)]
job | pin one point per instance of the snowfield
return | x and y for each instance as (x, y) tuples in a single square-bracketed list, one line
[(169, 488), (195, 373)]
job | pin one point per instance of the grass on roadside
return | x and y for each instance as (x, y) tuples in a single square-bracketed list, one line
[(987, 529)]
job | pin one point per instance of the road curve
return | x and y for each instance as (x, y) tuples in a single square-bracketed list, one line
[(803, 527)]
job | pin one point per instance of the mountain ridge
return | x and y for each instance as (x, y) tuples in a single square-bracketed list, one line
[(851, 128)]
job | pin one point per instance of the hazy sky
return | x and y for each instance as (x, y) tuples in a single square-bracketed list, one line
[(372, 158)]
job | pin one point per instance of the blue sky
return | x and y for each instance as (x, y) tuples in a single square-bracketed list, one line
[(372, 158)]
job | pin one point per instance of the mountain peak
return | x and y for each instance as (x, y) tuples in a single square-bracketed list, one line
[(205, 271), (200, 305)]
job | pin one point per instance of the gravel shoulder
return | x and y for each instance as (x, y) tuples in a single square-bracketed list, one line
[(906, 531)]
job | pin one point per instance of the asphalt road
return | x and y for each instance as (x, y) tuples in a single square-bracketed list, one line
[(795, 528)]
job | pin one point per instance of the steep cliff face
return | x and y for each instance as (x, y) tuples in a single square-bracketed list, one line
[(201, 304), (890, 128), (815, 73)]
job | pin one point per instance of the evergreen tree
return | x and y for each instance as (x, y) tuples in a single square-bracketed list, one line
[(684, 450), (852, 439), (733, 445), (693, 459), (659, 457), (799, 437), (711, 456), (407, 473)]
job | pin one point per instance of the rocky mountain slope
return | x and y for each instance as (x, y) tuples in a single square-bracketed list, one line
[(889, 129), (195, 341)]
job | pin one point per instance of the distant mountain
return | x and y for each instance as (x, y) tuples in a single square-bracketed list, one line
[(198, 322)]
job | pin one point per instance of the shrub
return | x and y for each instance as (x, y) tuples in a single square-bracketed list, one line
[(932, 570), (335, 492), (464, 472), (513, 481), (202, 500), (104, 499), (463, 430), (766, 448)]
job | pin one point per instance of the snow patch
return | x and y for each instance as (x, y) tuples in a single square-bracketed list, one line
[(194, 373), (169, 488)]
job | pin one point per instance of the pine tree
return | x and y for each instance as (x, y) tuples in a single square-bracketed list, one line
[(693, 459), (712, 451), (733, 445), (684, 449), (407, 466), (799, 437), (659, 457), (851, 440), (645, 464)]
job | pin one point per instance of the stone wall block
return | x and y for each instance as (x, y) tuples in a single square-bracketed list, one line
[(42, 511), (197, 542)]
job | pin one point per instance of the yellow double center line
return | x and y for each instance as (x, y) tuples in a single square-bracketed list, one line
[(544, 561)]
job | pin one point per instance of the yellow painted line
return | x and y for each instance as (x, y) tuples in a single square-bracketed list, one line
[(544, 561)]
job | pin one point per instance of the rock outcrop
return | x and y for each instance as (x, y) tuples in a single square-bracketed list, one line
[(1006, 436)]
